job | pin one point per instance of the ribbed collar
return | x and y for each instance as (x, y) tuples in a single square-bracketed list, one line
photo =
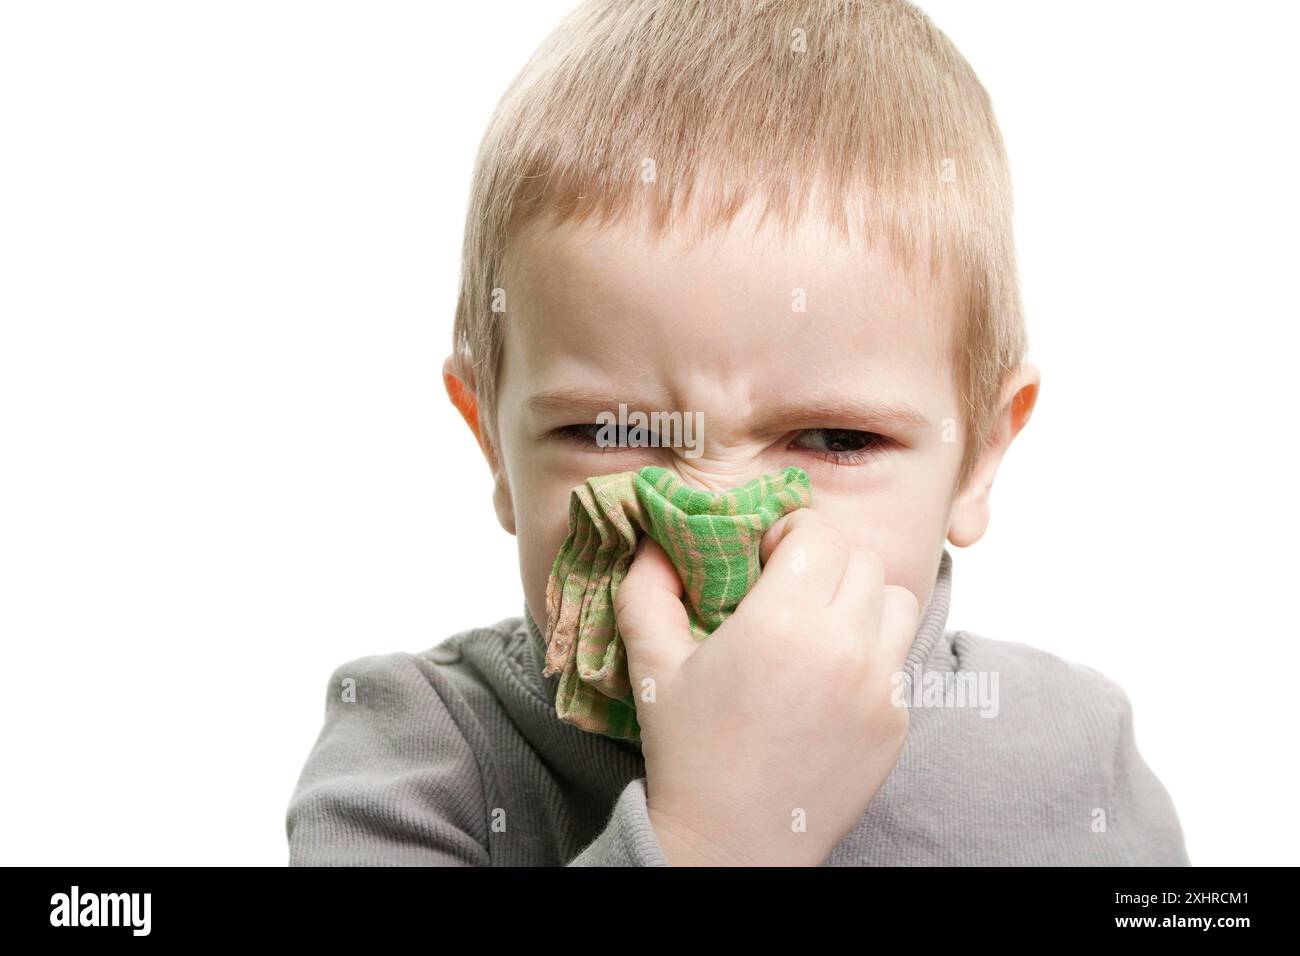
[(928, 633)]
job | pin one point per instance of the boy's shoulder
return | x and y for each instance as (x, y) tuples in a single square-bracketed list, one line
[(1059, 755), (409, 737), (1046, 706), (1028, 667), (474, 653), (504, 635)]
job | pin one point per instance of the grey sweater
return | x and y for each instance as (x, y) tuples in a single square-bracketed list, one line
[(454, 756)]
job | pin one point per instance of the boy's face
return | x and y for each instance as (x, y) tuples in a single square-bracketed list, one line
[(857, 389)]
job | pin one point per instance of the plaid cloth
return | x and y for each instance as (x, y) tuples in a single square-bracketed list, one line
[(712, 540)]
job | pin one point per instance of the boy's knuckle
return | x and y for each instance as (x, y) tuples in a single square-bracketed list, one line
[(889, 721), (627, 606)]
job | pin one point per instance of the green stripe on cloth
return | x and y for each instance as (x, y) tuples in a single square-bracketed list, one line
[(713, 541)]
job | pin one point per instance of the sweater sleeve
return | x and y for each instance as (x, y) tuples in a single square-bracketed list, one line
[(391, 780), (628, 839), (1141, 807)]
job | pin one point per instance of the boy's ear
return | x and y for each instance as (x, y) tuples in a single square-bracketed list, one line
[(969, 517), (458, 379)]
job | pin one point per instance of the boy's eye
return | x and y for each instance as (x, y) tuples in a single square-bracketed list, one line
[(843, 446), (589, 433), (578, 432), (840, 445)]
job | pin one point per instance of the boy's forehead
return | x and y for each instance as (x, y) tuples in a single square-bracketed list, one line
[(756, 302)]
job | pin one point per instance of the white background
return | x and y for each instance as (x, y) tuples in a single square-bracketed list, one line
[(229, 236)]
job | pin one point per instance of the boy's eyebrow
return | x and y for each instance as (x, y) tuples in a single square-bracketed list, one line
[(576, 400), (579, 401), (849, 411)]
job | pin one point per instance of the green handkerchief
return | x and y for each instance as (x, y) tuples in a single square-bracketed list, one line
[(712, 540)]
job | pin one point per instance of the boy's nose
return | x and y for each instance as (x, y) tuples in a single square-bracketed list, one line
[(712, 446), (718, 470)]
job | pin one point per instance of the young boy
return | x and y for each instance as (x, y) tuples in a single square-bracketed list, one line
[(791, 219)]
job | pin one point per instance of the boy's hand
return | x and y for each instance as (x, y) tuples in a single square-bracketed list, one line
[(765, 743)]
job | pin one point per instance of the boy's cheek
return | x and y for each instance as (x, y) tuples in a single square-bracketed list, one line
[(542, 523), (906, 534)]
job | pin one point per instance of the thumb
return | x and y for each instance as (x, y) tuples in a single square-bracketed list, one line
[(651, 617)]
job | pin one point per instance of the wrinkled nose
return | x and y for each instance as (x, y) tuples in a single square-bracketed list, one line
[(714, 447), (718, 469)]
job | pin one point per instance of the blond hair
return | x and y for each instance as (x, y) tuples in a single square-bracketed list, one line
[(860, 111)]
